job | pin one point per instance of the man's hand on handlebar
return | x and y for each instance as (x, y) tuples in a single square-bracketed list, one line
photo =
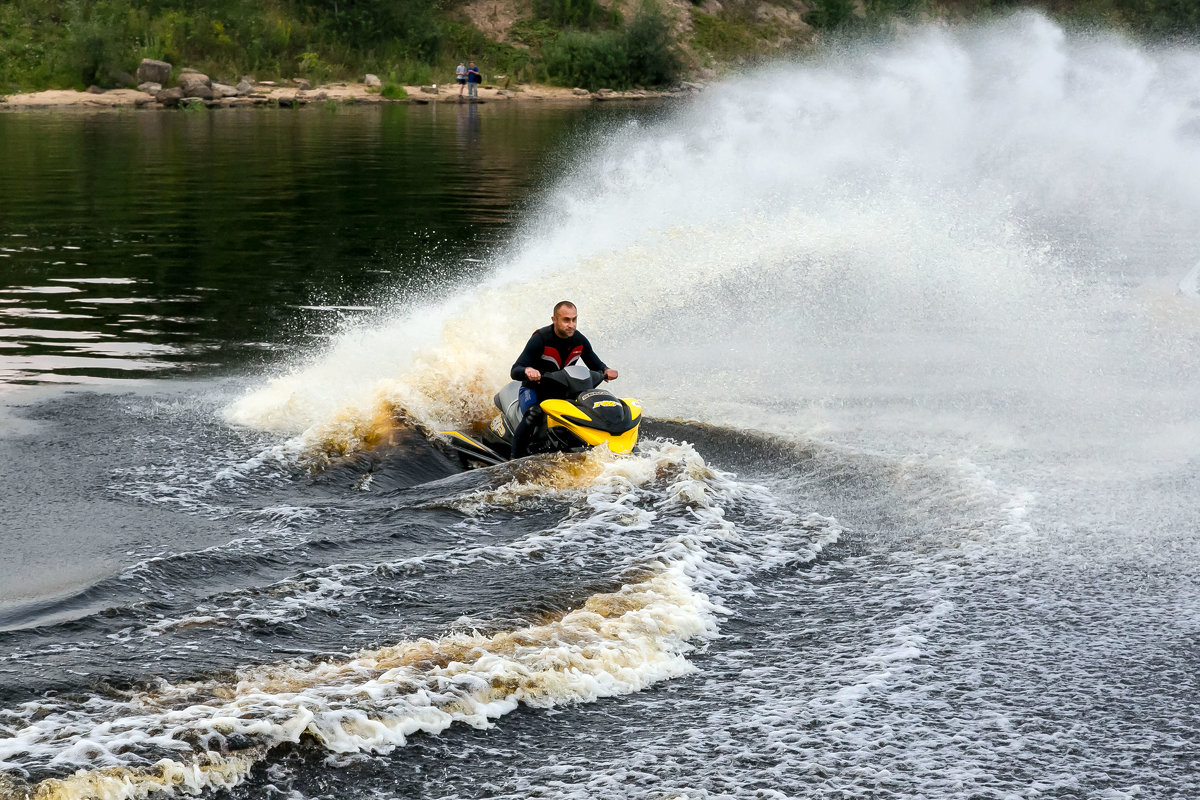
[(532, 375), (610, 374)]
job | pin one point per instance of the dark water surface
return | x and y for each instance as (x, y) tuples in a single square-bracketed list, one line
[(911, 514), (137, 243)]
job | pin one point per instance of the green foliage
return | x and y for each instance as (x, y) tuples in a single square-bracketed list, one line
[(1162, 16), (96, 43), (60, 43), (590, 60), (649, 48), (724, 34), (894, 8), (394, 91), (313, 67), (1157, 18), (414, 27), (469, 43), (642, 54), (26, 50), (830, 14), (532, 32), (583, 14), (410, 73)]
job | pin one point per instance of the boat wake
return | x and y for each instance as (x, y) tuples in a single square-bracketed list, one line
[(191, 735)]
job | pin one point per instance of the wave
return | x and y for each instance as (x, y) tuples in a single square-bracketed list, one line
[(919, 237), (187, 736), (616, 643)]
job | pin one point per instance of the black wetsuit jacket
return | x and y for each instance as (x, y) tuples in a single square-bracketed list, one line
[(546, 352)]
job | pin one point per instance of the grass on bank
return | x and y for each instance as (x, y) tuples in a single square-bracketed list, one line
[(78, 43), (1154, 18)]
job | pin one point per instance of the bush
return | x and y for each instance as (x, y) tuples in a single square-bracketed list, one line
[(58, 43), (409, 73), (641, 54), (830, 14), (1162, 16), (723, 35), (468, 42), (571, 13), (27, 52), (532, 32), (889, 8), (394, 91), (415, 27), (98, 44), (590, 60), (650, 51), (313, 67)]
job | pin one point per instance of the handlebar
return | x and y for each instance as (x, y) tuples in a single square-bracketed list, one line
[(576, 380)]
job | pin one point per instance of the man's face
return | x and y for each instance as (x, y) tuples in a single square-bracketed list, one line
[(565, 320)]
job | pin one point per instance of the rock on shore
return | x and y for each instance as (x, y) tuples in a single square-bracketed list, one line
[(195, 89), (198, 89)]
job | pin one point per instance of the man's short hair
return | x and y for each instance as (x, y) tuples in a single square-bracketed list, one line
[(562, 303)]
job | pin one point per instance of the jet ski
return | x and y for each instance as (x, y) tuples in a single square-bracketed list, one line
[(590, 417)]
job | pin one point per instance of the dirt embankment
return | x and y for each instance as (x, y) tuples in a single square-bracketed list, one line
[(270, 94), (342, 92)]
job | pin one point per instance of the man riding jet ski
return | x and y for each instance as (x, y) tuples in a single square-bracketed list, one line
[(553, 347), (557, 406)]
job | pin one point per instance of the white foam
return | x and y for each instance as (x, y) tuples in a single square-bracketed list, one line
[(896, 244), (1189, 284), (616, 643)]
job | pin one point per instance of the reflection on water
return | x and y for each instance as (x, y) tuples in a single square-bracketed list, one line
[(470, 129), (136, 244)]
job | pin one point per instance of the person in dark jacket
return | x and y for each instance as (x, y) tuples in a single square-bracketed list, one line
[(474, 78), (558, 345)]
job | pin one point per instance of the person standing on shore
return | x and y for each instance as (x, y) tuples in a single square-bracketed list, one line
[(460, 75), (474, 78)]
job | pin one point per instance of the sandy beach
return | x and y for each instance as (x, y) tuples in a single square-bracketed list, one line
[(277, 94)]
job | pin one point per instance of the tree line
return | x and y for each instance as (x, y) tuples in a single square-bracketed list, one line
[(79, 43), (1155, 18)]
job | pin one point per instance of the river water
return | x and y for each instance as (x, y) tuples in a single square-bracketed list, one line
[(912, 514)]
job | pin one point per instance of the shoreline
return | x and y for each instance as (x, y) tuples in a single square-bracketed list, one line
[(268, 94)]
